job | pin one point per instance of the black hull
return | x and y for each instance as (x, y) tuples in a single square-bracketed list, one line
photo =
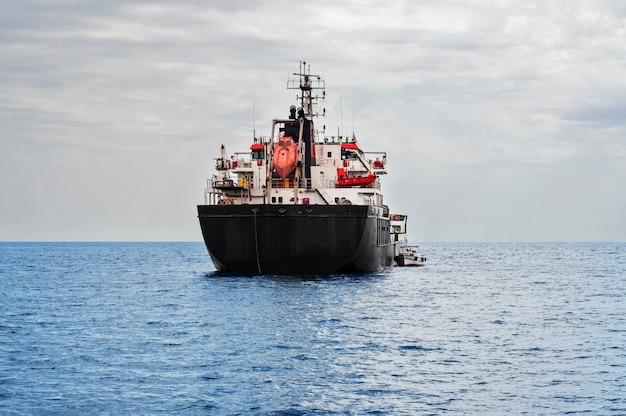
[(296, 239)]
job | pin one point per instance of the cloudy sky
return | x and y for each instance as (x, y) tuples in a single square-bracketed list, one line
[(503, 120)]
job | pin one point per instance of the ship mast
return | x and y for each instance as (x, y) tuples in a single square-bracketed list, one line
[(306, 134), (307, 83)]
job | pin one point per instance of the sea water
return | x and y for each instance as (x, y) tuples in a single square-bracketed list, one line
[(150, 328)]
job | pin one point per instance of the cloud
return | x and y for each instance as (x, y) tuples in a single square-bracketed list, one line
[(492, 109)]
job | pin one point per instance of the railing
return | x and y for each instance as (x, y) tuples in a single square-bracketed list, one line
[(377, 159), (284, 183), (214, 192), (242, 160), (307, 183), (215, 189)]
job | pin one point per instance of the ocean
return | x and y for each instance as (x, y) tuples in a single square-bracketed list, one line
[(150, 328)]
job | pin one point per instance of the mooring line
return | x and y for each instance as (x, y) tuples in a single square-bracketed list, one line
[(256, 241)]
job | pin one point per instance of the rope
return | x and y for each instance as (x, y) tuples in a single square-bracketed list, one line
[(256, 241)]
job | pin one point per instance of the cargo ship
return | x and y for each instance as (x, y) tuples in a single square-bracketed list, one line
[(300, 202)]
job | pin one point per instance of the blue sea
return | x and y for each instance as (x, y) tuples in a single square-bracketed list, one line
[(150, 328)]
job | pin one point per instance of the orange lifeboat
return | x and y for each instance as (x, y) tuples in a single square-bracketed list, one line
[(284, 159)]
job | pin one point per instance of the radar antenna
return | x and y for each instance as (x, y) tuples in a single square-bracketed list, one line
[(306, 83)]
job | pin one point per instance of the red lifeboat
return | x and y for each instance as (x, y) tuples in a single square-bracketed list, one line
[(284, 159), (344, 180)]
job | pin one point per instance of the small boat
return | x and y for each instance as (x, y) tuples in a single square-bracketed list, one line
[(285, 154), (343, 179), (410, 256)]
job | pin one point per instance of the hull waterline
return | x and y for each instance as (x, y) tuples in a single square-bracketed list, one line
[(295, 239)]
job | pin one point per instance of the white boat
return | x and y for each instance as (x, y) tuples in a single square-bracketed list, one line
[(406, 255), (410, 256)]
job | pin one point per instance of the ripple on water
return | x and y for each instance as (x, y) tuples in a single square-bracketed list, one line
[(150, 328)]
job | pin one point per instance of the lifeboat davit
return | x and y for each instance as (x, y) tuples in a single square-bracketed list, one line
[(344, 180), (284, 159)]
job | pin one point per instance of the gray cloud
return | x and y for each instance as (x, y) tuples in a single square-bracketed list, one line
[(502, 119)]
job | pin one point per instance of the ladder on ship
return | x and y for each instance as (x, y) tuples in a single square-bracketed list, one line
[(322, 192)]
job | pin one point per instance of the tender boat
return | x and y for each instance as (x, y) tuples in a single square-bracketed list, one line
[(344, 180), (410, 256), (407, 255)]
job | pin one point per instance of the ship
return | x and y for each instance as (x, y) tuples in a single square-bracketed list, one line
[(300, 202)]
